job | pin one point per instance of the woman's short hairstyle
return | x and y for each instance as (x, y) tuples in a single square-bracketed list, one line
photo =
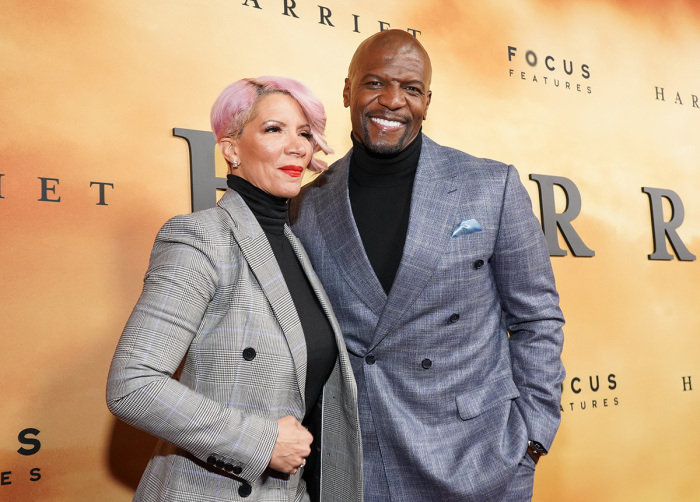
[(234, 108)]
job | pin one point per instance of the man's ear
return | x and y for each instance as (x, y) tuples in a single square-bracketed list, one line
[(229, 150), (346, 93), (427, 104)]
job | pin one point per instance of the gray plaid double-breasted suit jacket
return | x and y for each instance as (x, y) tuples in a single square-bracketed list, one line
[(215, 300), (460, 364)]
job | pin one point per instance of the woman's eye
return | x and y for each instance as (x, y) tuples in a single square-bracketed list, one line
[(272, 129), (307, 135)]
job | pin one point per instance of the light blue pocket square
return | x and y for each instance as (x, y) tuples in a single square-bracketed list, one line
[(466, 227)]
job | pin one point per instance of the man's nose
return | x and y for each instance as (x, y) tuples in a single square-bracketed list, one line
[(392, 97)]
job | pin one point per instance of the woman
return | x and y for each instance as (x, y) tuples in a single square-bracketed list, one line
[(231, 304)]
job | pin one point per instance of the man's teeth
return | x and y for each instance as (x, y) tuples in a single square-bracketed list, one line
[(386, 123)]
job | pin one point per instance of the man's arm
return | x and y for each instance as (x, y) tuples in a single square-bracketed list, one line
[(525, 281)]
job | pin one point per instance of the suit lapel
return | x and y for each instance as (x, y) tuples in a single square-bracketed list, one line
[(433, 215), (258, 253), (315, 283), (339, 230)]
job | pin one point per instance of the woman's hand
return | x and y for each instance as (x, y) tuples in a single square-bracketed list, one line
[(292, 447)]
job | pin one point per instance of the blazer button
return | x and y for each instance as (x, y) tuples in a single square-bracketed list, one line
[(454, 317), (370, 359), (220, 464), (249, 354), (426, 363), (237, 469), (211, 459), (478, 264), (228, 467), (244, 490)]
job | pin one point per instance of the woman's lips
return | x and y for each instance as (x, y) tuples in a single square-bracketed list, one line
[(293, 171)]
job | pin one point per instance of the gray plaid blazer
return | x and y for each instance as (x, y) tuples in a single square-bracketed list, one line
[(460, 364), (216, 311)]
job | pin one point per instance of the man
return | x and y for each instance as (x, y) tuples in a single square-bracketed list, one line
[(440, 277)]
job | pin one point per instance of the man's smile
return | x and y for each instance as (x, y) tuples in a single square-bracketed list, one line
[(386, 124)]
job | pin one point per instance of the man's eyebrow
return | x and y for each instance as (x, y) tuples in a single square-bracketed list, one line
[(418, 83), (371, 76)]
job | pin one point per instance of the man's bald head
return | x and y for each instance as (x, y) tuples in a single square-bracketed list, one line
[(388, 91), (397, 42)]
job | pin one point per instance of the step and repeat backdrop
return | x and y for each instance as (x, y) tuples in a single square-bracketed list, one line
[(103, 136)]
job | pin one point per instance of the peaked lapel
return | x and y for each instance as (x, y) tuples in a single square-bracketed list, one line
[(258, 253), (337, 225), (433, 213)]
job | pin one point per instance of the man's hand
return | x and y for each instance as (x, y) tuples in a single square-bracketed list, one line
[(292, 447)]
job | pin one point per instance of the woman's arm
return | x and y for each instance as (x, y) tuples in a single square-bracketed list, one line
[(180, 282)]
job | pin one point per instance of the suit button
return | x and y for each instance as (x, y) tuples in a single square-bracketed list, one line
[(237, 469), (244, 490), (426, 363), (249, 354), (454, 317), (211, 459), (478, 264), (220, 464), (370, 359)]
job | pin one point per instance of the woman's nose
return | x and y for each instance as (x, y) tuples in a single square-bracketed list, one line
[(298, 145)]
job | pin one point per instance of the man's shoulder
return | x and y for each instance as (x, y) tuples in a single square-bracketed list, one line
[(312, 189), (461, 162), (305, 194)]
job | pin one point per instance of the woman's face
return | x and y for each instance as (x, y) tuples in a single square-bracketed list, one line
[(274, 148)]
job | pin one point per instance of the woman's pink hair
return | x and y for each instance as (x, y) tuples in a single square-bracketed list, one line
[(234, 108)]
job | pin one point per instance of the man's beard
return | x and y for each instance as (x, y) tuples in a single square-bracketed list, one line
[(382, 148)]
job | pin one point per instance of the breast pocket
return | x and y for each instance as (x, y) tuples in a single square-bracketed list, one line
[(465, 265)]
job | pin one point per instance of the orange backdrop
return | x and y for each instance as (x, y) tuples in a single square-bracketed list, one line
[(89, 170)]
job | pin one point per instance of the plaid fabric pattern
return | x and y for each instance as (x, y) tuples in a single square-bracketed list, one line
[(215, 307)]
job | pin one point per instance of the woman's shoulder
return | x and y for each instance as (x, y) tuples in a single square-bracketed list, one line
[(208, 230), (205, 223)]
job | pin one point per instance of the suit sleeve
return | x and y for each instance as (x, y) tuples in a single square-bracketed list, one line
[(525, 283), (179, 284)]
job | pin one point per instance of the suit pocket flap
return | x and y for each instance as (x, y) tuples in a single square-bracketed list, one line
[(474, 402)]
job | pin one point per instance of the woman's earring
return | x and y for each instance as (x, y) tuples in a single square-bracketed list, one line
[(234, 164)]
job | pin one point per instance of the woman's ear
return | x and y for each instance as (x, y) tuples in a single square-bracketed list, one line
[(229, 149)]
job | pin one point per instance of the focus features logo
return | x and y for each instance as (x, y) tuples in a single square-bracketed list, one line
[(29, 446), (550, 71), (594, 392)]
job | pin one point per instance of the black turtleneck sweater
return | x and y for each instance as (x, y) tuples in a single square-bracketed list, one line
[(380, 188), (321, 349)]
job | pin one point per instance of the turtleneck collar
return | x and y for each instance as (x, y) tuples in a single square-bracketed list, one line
[(387, 164), (269, 210)]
